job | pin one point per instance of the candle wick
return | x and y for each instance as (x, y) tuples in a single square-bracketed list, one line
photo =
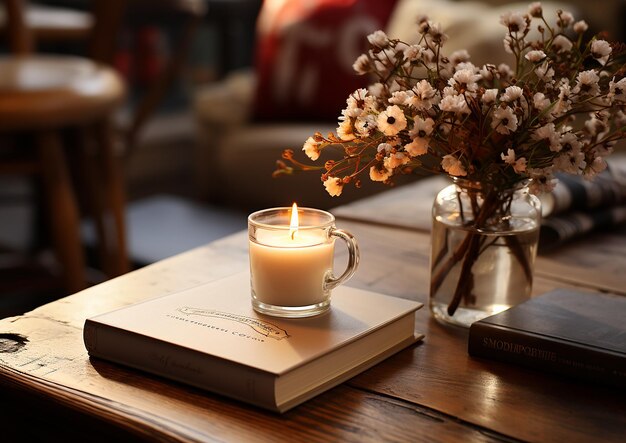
[(293, 234)]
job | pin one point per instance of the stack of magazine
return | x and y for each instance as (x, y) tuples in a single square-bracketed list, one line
[(577, 206)]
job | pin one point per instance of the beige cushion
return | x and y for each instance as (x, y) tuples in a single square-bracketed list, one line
[(247, 158), (228, 102)]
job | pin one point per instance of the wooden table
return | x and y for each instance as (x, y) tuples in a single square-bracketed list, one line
[(432, 391)]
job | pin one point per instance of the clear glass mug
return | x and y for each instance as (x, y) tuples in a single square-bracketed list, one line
[(291, 268)]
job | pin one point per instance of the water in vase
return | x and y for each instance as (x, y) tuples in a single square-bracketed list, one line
[(499, 277)]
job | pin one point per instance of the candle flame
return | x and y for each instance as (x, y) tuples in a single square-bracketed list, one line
[(293, 226)]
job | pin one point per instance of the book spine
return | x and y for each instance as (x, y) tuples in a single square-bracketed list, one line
[(538, 352), (180, 364)]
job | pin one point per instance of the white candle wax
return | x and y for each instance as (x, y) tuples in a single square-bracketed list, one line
[(290, 271)]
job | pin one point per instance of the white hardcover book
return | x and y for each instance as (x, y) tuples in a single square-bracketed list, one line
[(210, 337)]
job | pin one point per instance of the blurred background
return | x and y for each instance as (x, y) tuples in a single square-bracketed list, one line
[(133, 130)]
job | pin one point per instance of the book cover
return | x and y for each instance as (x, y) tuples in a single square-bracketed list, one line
[(210, 337), (564, 331)]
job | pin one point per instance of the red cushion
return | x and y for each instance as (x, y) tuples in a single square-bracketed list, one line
[(304, 55)]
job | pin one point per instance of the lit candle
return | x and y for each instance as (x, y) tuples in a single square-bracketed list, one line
[(289, 266)]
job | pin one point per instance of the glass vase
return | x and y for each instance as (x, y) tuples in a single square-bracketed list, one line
[(484, 243)]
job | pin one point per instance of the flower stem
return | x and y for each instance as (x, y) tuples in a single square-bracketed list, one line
[(466, 278), (516, 248), (456, 256)]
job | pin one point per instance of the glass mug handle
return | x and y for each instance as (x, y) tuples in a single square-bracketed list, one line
[(353, 259)]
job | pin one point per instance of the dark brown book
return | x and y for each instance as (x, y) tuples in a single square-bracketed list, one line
[(569, 332)]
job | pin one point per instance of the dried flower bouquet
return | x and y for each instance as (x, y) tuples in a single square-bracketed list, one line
[(559, 107)]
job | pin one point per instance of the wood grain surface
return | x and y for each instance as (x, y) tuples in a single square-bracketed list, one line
[(429, 392)]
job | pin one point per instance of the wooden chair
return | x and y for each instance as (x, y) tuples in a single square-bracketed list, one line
[(42, 97), (180, 16), (54, 23)]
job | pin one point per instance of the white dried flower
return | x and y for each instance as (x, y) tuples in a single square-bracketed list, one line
[(422, 127), (362, 127), (562, 44), (459, 56), (601, 50), (311, 148), (580, 26), (424, 96), (453, 166), (468, 66), (395, 160), (570, 143), (356, 103), (535, 56), (564, 103), (345, 131), (420, 133), (572, 163), (515, 21), (378, 39), (455, 104), (595, 167), (418, 146), (365, 124), (504, 120), (519, 164), (549, 134), (489, 97), (435, 32), (401, 97), (543, 180), (384, 147), (358, 95), (486, 71), (413, 53), (334, 186), (540, 102), (423, 24), (617, 90), (565, 19), (535, 10), (391, 120), (385, 60), (428, 56), (544, 72), (465, 79), (509, 157), (511, 93), (505, 71), (362, 64), (378, 174), (587, 83)]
